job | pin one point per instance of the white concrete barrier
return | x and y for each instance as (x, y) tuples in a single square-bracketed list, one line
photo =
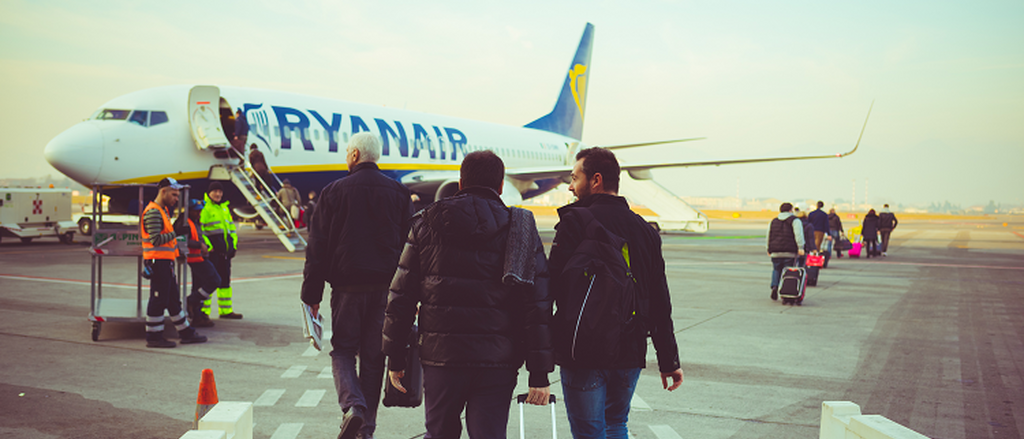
[(842, 420), (207, 434), (234, 418)]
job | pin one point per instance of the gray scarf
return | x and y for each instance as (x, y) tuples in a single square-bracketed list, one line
[(520, 265)]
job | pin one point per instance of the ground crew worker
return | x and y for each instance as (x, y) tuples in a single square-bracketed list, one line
[(219, 230), (159, 249), (205, 279)]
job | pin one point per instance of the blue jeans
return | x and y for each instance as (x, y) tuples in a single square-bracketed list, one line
[(778, 265), (597, 401)]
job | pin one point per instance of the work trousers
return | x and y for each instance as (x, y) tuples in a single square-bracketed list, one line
[(357, 319), (597, 401), (222, 263), (485, 394), (205, 281), (163, 295), (885, 239)]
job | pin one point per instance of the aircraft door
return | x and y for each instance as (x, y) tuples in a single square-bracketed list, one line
[(204, 117)]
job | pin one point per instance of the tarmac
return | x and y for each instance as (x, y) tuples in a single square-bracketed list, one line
[(930, 337)]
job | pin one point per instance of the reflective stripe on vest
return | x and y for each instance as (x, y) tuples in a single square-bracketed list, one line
[(194, 254), (167, 251)]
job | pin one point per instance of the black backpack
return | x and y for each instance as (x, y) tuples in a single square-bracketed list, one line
[(599, 303)]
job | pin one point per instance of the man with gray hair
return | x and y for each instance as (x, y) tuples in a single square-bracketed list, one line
[(361, 226)]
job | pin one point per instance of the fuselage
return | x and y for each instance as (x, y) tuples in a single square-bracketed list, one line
[(145, 136)]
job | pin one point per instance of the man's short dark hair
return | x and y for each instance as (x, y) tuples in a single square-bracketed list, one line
[(482, 168), (602, 161), (821, 204), (785, 207)]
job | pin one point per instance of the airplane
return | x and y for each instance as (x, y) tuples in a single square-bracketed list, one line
[(182, 131)]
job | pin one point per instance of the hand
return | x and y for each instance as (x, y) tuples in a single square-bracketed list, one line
[(801, 252), (316, 310), (396, 380), (677, 379), (539, 395)]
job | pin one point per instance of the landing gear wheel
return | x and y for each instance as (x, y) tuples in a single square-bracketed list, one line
[(96, 330)]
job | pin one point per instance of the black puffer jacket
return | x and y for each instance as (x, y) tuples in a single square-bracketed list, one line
[(361, 224), (452, 267)]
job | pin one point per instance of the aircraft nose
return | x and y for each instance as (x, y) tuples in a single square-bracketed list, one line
[(77, 152)]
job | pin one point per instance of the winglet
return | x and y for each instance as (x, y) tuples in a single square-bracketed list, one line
[(861, 131), (567, 117)]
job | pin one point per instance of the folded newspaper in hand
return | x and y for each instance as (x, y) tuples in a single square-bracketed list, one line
[(313, 327)]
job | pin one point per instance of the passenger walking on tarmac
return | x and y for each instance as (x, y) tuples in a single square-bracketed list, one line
[(819, 220), (869, 230), (159, 249), (476, 271), (205, 279), (219, 229), (290, 198), (785, 243), (598, 387), (835, 225), (886, 223), (808, 236), (362, 221)]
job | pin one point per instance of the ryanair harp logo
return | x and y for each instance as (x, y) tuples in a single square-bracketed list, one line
[(578, 84)]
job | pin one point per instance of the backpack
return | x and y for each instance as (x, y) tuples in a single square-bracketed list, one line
[(599, 305)]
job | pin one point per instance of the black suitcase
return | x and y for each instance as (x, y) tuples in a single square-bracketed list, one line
[(791, 290), (812, 276)]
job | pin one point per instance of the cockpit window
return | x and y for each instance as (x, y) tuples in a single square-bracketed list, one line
[(109, 114), (139, 117), (157, 118)]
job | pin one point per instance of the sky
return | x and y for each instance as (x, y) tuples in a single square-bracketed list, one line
[(758, 79)]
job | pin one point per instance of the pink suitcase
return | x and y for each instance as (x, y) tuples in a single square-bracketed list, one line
[(855, 251)]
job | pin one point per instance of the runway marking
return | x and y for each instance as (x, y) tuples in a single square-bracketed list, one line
[(268, 398), (293, 258), (311, 398), (664, 432), (66, 281), (267, 277), (928, 264), (293, 372), (22, 252), (326, 373), (638, 403), (1018, 234), (311, 352), (720, 263), (287, 431)]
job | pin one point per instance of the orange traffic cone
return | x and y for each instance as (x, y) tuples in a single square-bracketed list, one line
[(207, 397)]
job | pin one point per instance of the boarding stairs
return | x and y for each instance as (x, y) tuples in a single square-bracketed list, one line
[(267, 205)]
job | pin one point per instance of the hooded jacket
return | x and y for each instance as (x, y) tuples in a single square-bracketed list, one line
[(218, 226), (869, 227), (452, 267)]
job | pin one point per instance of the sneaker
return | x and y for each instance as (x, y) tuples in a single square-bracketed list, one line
[(159, 343), (775, 293), (232, 316), (885, 254), (352, 424), (190, 336)]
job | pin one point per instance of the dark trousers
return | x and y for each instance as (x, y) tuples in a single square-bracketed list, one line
[(163, 295), (485, 394), (222, 263), (885, 239), (205, 281), (357, 319), (871, 245)]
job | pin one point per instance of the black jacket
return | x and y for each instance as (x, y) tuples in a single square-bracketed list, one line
[(887, 221), (361, 224), (869, 227), (648, 267), (452, 267), (808, 236), (835, 223)]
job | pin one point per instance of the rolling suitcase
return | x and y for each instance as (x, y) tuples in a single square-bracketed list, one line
[(791, 290), (814, 265), (522, 422), (855, 250)]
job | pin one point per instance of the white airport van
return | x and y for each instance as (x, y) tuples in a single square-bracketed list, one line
[(28, 213)]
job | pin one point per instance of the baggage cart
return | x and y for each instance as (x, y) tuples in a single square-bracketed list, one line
[(119, 240)]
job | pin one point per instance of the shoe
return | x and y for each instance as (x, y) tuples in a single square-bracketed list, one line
[(775, 293), (232, 316), (159, 343), (352, 424), (202, 320), (884, 254), (190, 336)]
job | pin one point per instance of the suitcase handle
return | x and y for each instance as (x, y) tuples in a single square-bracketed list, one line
[(521, 398)]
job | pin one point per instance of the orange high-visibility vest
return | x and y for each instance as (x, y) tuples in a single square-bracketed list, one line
[(194, 254), (167, 251)]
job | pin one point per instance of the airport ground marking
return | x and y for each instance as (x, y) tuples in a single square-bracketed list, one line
[(64, 281), (289, 430), (268, 398), (638, 403), (311, 352), (292, 258), (311, 398), (1018, 234), (293, 372), (326, 373), (664, 432)]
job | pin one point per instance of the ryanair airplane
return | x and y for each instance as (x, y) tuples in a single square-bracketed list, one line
[(183, 132)]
